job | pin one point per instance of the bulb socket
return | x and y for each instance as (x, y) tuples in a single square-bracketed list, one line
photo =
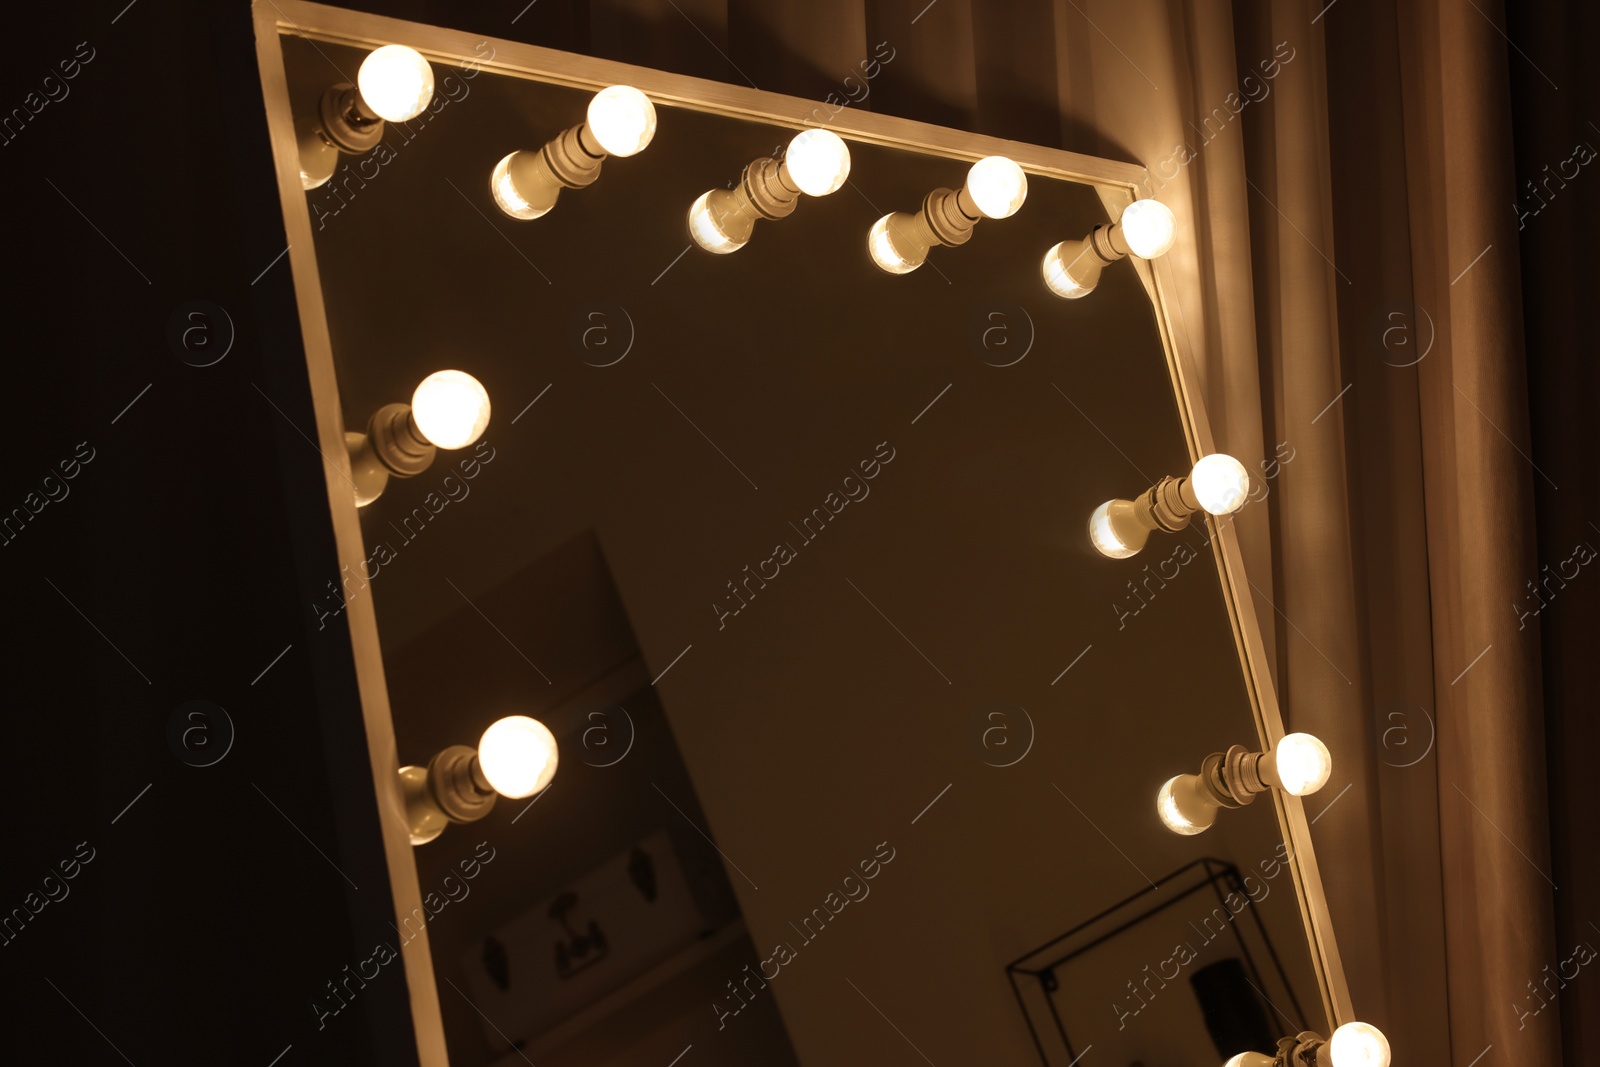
[(1242, 773), (764, 191), (766, 188), (347, 122), (451, 788), (1166, 505), (1111, 243), (573, 159), (1305, 1049), (393, 436), (457, 785), (1214, 780), (946, 217), (1234, 778), (949, 216)]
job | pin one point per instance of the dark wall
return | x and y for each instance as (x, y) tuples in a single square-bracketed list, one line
[(174, 563)]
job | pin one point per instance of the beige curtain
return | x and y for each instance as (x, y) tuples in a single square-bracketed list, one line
[(1352, 289)]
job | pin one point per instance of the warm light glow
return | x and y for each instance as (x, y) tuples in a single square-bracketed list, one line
[(450, 408), (1104, 536), (1249, 1059), (883, 250), (518, 755), (705, 231), (998, 186), (1182, 809), (1068, 270), (1220, 484), (622, 119), (1358, 1045), (1304, 764), (1149, 228), (504, 190), (818, 161), (396, 82)]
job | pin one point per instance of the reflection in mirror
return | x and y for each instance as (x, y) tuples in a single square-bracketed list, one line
[(860, 737)]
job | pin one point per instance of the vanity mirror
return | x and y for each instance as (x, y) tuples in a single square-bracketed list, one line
[(860, 738)]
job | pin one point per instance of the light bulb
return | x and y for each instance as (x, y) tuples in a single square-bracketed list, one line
[(1220, 484), (622, 119), (998, 186), (1249, 1059), (1184, 807), (1358, 1045), (510, 200), (1104, 531), (1071, 269), (1303, 764), (818, 161), (1149, 228), (396, 82), (884, 252), (450, 408), (318, 158), (518, 756), (705, 231)]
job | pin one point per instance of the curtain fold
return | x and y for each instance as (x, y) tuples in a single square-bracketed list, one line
[(1323, 679), (1499, 909), (1383, 339)]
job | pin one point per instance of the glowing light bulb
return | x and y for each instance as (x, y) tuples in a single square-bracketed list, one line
[(818, 161), (518, 756), (396, 82), (1249, 1059), (622, 119), (503, 187), (450, 408), (1303, 763), (998, 186), (1149, 228), (1220, 484), (1071, 269), (1104, 533), (705, 231), (881, 244), (1184, 807), (1358, 1045)]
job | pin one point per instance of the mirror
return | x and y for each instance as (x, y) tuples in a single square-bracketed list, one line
[(859, 738)]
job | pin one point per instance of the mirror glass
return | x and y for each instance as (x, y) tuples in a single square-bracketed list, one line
[(859, 737)]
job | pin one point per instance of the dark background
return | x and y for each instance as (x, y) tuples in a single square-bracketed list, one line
[(179, 566)]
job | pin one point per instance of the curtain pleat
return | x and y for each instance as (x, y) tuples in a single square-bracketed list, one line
[(683, 36), (801, 49), (1383, 336), (1323, 684), (934, 74), (1494, 822)]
